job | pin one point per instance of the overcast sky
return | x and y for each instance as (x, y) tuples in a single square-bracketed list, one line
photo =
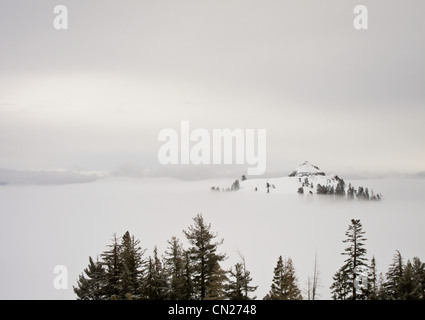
[(95, 96)]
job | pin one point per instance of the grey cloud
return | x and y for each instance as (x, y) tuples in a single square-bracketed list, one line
[(297, 68)]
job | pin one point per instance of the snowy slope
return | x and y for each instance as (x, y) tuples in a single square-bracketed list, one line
[(287, 185), (306, 176)]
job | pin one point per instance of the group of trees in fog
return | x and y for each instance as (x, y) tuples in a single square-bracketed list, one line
[(359, 279), (234, 187), (123, 271), (339, 190)]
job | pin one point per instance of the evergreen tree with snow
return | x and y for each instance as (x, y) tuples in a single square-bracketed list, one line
[(394, 275), (203, 256), (356, 257), (381, 287), (91, 286)]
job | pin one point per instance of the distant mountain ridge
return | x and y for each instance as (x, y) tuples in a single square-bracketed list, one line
[(52, 176)]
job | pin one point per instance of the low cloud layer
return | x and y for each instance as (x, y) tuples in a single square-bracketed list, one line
[(8, 176)]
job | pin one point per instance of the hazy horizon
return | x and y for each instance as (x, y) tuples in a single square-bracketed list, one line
[(188, 173)]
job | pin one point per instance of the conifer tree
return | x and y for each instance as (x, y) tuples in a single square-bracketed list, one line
[(276, 290), (356, 257), (321, 189), (351, 191), (132, 267), (92, 287), (113, 268), (408, 285), (360, 193), (155, 285), (394, 275), (340, 287), (340, 187), (217, 285), (175, 267), (203, 256), (284, 285), (239, 286), (381, 288), (247, 280), (419, 277), (373, 283), (188, 292), (292, 291), (235, 186), (366, 194)]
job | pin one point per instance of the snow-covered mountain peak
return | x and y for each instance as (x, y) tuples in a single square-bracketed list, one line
[(306, 169)]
